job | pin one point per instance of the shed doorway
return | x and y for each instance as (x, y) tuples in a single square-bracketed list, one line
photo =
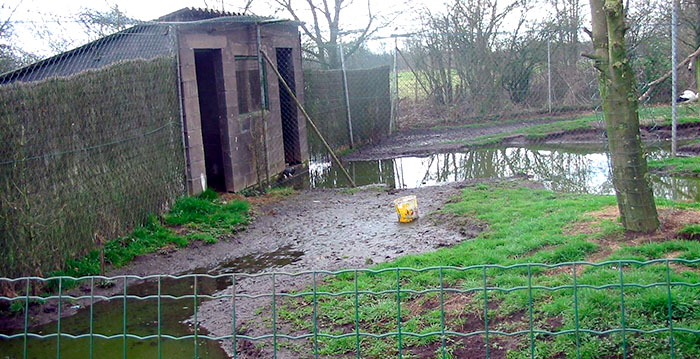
[(212, 109), (290, 125)]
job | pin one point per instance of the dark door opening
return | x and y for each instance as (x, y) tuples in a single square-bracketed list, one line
[(212, 109), (290, 126)]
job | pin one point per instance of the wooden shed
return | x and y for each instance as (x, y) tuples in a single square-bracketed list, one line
[(239, 125)]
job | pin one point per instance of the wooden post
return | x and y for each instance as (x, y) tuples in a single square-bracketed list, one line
[(308, 119)]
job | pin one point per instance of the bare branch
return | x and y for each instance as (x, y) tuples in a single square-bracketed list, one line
[(652, 85)]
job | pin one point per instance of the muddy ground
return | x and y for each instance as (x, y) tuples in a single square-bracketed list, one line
[(317, 230), (423, 142), (335, 230)]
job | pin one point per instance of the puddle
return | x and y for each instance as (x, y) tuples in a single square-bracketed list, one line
[(580, 170), (142, 318)]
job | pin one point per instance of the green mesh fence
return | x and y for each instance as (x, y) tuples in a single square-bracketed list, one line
[(607, 304)]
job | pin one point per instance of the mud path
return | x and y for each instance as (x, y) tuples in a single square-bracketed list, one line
[(334, 230)]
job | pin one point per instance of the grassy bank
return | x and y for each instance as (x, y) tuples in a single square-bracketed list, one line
[(649, 116), (523, 226), (204, 218), (678, 166)]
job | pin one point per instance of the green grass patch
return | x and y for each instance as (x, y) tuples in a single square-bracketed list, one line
[(282, 191), (649, 116), (677, 166), (524, 226), (202, 218)]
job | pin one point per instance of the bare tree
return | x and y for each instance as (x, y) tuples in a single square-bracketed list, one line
[(324, 31), (97, 24), (461, 54), (11, 56), (619, 94)]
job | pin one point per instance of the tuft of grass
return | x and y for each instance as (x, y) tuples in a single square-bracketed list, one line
[(281, 191), (659, 115), (203, 218), (691, 232), (677, 166)]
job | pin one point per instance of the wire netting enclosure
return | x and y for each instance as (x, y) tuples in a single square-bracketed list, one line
[(367, 107), (85, 158), (480, 311)]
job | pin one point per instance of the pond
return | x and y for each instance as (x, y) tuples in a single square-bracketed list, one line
[(573, 169), (142, 318)]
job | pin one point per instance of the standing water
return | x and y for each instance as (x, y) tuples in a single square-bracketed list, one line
[(563, 170), (141, 318)]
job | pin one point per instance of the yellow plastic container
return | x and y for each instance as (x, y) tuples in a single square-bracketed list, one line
[(406, 208)]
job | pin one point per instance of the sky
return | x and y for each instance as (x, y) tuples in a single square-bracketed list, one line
[(57, 18)]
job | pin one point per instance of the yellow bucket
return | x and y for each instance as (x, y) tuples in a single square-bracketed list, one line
[(406, 208)]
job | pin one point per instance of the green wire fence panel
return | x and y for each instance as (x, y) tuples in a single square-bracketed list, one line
[(620, 309)]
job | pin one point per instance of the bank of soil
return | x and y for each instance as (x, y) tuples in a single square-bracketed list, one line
[(423, 142)]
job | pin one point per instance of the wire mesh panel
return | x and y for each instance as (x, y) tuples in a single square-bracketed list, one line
[(610, 309), (461, 83), (91, 146)]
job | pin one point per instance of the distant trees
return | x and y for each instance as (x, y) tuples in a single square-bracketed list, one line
[(325, 23), (97, 23), (11, 56), (465, 58)]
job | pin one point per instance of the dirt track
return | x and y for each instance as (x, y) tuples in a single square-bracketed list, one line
[(334, 230)]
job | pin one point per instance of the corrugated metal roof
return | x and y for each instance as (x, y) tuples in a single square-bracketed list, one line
[(195, 14)]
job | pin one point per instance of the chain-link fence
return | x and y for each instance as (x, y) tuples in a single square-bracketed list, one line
[(460, 90), (91, 146)]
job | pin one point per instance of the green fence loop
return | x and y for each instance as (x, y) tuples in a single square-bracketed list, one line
[(398, 311), (234, 340), (124, 331), (442, 315), (576, 315), (58, 324), (26, 320), (315, 316), (196, 324), (357, 319), (274, 318), (623, 320), (159, 319), (669, 304), (92, 316), (530, 304), (486, 313)]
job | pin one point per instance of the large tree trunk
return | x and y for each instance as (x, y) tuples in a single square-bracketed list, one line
[(619, 95)]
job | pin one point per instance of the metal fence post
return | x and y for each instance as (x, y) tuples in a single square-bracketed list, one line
[(395, 93), (549, 75), (347, 94), (674, 77)]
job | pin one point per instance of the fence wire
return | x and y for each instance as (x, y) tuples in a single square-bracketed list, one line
[(454, 90), (91, 146), (446, 310)]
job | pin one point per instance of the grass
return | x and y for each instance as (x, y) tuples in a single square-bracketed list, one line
[(678, 166), (200, 218), (658, 115), (524, 226)]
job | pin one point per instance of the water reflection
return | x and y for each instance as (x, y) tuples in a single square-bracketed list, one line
[(564, 170)]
